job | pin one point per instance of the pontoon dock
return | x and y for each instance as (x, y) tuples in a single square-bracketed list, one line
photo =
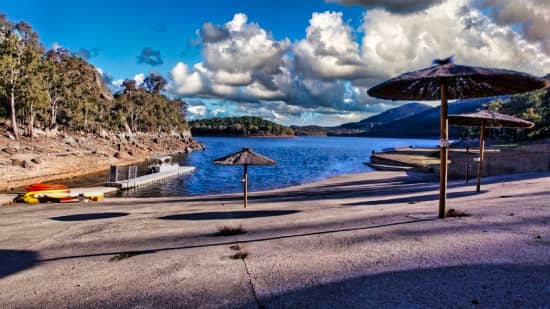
[(151, 178)]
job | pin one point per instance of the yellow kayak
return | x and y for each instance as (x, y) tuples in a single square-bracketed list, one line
[(59, 195)]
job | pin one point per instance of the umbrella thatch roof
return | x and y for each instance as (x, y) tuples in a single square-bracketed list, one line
[(245, 157), (490, 119), (463, 82)]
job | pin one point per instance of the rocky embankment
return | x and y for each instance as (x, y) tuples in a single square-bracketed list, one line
[(65, 155)]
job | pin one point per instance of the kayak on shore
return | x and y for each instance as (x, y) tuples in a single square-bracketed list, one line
[(58, 193)]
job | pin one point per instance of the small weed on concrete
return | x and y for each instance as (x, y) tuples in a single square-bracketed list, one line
[(235, 247), (453, 213), (241, 255), (225, 230)]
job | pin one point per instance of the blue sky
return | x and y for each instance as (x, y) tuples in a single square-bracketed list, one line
[(294, 62)]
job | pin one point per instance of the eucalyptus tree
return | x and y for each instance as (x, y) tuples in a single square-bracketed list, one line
[(20, 54)]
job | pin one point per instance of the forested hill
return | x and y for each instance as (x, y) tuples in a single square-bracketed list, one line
[(393, 114), (46, 89), (533, 106), (426, 124), (239, 126)]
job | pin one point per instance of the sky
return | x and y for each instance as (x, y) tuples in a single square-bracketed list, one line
[(293, 62)]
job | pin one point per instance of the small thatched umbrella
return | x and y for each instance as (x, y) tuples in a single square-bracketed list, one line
[(447, 81), (245, 157), (487, 119)]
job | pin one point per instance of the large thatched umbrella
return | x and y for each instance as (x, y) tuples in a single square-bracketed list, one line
[(447, 81), (487, 119), (245, 157)]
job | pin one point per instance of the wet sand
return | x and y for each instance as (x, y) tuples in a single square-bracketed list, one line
[(362, 240)]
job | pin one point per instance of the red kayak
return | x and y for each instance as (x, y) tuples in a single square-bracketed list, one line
[(43, 187)]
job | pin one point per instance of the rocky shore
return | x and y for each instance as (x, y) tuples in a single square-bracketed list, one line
[(60, 155)]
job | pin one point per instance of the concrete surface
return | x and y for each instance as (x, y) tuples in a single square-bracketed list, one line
[(365, 240)]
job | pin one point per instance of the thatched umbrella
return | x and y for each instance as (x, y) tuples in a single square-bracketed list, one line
[(487, 119), (447, 81), (245, 157)]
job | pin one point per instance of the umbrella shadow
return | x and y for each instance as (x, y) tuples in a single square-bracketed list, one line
[(13, 261), (225, 215), (90, 216), (455, 287), (415, 199)]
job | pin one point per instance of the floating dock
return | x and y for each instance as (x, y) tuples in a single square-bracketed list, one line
[(151, 178)]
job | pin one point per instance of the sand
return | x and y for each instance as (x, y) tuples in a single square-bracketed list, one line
[(362, 240)]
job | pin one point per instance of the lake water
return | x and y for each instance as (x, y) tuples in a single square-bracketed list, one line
[(299, 160)]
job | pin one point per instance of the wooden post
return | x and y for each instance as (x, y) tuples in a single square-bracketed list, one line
[(467, 164), (481, 155), (443, 148), (245, 185)]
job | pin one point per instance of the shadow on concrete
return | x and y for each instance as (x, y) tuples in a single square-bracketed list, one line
[(415, 199), (462, 286), (13, 261), (224, 215), (90, 216), (242, 241)]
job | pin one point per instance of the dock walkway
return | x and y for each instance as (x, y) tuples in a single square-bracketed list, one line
[(151, 178)]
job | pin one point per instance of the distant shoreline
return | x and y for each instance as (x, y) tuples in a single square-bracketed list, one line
[(236, 135)]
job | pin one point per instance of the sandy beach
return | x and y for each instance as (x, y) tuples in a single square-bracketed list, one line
[(361, 240)]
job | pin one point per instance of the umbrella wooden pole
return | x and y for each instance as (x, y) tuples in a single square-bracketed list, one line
[(443, 152), (467, 164), (481, 155), (245, 185)]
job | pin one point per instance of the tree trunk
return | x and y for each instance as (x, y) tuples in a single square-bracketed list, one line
[(53, 114), (12, 110), (31, 122)]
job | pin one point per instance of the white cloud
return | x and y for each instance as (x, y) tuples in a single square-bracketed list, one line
[(396, 43), (139, 78), (533, 16), (186, 82), (329, 50), (324, 77)]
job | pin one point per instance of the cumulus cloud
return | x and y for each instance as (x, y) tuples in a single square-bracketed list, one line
[(150, 56), (396, 43), (248, 48), (329, 50), (394, 6), (186, 82), (245, 63), (325, 75), (211, 33), (533, 16)]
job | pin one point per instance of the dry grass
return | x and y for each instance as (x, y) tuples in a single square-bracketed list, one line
[(453, 213), (123, 256), (225, 230), (241, 255)]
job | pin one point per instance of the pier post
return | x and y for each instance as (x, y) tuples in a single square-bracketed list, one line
[(245, 185), (481, 155)]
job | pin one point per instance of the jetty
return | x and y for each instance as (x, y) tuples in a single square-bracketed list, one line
[(150, 178)]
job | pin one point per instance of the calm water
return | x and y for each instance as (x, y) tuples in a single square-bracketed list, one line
[(300, 160)]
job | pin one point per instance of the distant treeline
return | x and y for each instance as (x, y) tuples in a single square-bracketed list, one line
[(246, 125), (533, 106), (45, 89)]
